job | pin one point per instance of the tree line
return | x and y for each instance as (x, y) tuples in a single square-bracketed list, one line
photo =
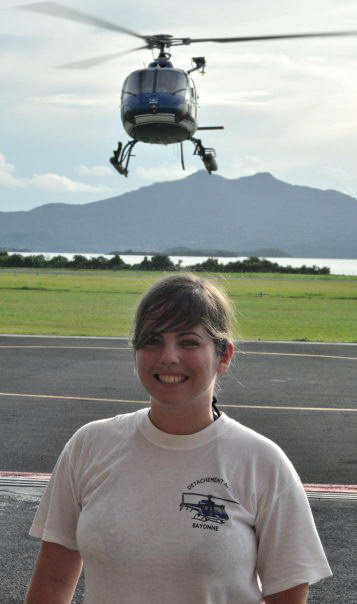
[(158, 262)]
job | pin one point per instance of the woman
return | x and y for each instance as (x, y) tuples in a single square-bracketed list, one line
[(176, 503)]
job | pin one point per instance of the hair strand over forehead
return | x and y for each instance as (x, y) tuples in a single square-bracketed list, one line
[(182, 301)]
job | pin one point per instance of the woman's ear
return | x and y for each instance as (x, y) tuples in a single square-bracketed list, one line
[(225, 358)]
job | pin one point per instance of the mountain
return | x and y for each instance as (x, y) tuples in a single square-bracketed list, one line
[(198, 212)]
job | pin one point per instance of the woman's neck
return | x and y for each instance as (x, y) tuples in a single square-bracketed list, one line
[(174, 421)]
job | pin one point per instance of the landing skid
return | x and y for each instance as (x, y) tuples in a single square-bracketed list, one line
[(207, 154), (121, 156)]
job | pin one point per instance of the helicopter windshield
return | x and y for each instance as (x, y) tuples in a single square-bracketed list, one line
[(140, 82), (171, 81), (153, 80)]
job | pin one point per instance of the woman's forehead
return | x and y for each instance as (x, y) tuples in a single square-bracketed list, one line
[(178, 327), (197, 330)]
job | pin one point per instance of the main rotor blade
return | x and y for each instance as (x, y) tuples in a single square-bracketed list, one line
[(55, 9), (277, 37), (87, 63)]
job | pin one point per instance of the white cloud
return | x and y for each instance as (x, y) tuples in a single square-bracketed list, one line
[(73, 101), (62, 184), (47, 182), (164, 172), (252, 98), (245, 165), (7, 174), (93, 171), (339, 174)]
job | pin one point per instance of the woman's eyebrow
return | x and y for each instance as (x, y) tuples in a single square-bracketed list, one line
[(189, 333)]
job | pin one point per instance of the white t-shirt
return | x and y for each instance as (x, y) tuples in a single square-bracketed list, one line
[(180, 519)]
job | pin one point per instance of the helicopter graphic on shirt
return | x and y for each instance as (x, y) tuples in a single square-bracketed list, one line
[(206, 509)]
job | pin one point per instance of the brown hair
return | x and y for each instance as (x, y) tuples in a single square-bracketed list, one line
[(182, 301)]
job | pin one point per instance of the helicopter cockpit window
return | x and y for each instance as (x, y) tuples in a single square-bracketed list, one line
[(140, 82), (193, 89), (171, 82)]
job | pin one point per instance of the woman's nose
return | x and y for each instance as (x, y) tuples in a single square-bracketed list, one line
[(169, 354)]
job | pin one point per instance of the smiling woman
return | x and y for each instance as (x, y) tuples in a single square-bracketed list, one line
[(179, 370), (183, 340), (126, 495)]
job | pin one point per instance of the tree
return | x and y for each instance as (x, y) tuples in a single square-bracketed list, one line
[(59, 262), (161, 263), (116, 263), (79, 261), (211, 264)]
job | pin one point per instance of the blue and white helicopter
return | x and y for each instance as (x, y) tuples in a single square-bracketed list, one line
[(159, 103)]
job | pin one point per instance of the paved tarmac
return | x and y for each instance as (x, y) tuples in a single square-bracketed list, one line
[(303, 396)]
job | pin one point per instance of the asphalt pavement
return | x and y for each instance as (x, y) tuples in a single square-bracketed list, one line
[(302, 396)]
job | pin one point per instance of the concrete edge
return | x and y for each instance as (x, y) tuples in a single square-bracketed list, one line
[(313, 491)]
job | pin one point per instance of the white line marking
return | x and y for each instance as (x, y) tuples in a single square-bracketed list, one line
[(297, 354), (129, 348), (332, 496), (290, 408), (71, 347), (57, 337), (137, 402), (74, 398), (125, 338)]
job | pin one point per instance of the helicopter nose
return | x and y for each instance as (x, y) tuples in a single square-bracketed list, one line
[(153, 104)]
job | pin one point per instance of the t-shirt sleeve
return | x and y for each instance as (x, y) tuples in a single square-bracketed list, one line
[(289, 548), (57, 515)]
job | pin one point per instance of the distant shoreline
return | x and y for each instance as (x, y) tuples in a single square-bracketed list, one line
[(338, 266), (174, 252), (179, 252)]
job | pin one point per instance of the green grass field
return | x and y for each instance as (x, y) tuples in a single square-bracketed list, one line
[(101, 303)]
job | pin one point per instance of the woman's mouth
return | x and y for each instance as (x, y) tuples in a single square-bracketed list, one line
[(170, 378)]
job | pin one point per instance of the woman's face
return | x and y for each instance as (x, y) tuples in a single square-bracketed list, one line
[(179, 368)]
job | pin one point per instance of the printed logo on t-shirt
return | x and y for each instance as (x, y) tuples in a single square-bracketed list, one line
[(208, 510)]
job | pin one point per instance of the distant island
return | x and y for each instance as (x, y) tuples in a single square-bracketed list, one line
[(185, 251)]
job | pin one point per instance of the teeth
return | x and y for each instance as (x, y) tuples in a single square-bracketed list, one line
[(171, 379)]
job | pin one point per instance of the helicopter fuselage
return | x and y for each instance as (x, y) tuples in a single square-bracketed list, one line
[(159, 105)]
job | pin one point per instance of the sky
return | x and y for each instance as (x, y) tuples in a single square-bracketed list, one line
[(287, 107)]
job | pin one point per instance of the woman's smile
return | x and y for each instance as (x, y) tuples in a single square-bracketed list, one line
[(169, 378)]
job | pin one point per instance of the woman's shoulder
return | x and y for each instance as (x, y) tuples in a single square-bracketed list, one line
[(102, 432), (254, 447), (238, 431), (260, 465)]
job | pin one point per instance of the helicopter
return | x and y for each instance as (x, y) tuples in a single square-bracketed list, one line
[(206, 509), (159, 104)]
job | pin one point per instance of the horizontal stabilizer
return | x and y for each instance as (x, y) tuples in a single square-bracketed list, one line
[(210, 128)]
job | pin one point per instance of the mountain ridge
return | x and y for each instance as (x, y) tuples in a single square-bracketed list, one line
[(198, 211)]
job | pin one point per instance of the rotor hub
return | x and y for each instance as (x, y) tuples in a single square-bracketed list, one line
[(165, 41)]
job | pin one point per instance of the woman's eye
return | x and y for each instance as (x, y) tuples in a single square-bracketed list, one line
[(153, 341), (190, 343)]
